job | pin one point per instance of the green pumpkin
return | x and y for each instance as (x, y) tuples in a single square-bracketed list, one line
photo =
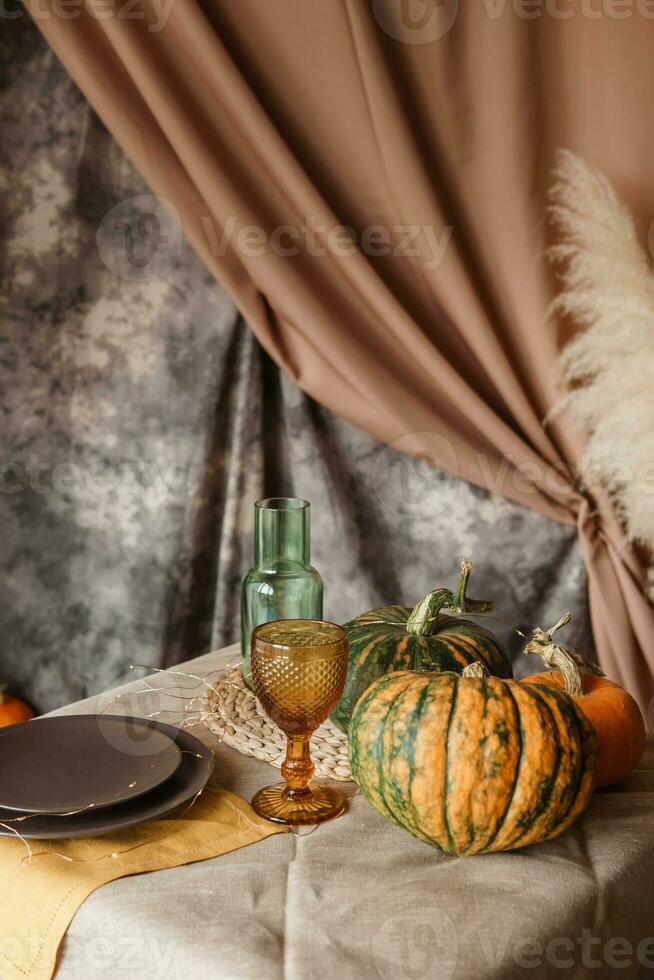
[(472, 764), (424, 638)]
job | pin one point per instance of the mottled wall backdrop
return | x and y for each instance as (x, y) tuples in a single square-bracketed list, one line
[(140, 421)]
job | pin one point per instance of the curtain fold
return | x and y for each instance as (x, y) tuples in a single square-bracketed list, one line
[(371, 192)]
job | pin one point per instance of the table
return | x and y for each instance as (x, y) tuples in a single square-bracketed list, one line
[(359, 898)]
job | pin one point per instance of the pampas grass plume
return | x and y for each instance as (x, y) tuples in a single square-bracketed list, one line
[(608, 368)]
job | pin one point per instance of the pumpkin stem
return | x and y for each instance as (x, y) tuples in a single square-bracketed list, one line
[(424, 617), (561, 658), (3, 693), (476, 669), (461, 601)]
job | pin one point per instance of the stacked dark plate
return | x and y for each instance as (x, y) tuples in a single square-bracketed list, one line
[(87, 775)]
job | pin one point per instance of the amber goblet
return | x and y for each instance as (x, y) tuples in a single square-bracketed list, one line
[(299, 668)]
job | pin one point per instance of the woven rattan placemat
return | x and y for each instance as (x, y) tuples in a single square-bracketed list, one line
[(235, 715)]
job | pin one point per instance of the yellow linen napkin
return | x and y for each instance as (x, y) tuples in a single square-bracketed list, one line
[(39, 899)]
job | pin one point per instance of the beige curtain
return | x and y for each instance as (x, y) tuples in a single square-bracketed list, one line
[(367, 179)]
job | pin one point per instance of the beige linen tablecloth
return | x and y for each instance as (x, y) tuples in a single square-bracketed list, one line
[(360, 898)]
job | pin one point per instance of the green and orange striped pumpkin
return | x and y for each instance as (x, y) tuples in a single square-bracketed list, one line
[(472, 764), (398, 638)]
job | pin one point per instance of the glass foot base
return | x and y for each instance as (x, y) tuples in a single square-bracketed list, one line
[(322, 804)]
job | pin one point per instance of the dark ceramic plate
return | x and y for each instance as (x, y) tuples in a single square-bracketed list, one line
[(193, 774), (56, 765)]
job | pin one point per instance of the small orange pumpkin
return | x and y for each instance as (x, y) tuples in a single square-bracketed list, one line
[(610, 709), (12, 710)]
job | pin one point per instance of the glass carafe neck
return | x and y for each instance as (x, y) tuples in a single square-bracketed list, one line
[(282, 530)]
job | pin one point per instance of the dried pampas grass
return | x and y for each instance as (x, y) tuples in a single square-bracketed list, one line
[(608, 368)]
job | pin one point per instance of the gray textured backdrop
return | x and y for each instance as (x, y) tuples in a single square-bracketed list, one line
[(141, 420)]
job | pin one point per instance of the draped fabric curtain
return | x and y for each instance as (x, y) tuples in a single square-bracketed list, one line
[(141, 420), (370, 188)]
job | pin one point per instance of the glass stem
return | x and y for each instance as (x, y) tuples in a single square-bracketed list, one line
[(297, 768)]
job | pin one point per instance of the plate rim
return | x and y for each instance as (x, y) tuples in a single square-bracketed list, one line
[(204, 763), (103, 804)]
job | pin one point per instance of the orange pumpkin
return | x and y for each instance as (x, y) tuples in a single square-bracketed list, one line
[(12, 710), (471, 763), (610, 709)]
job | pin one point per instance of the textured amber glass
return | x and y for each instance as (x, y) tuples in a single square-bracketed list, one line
[(298, 671)]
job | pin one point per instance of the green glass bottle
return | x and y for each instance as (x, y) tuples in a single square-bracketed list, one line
[(282, 584)]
